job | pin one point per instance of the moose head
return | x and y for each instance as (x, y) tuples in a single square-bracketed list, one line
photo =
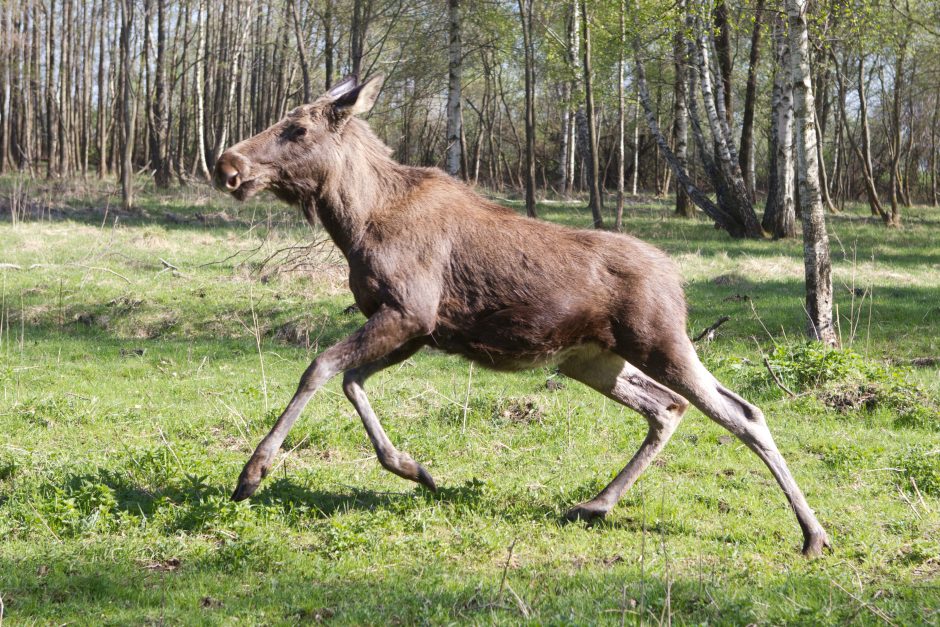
[(293, 157)]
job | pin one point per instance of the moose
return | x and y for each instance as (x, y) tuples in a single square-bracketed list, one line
[(432, 263)]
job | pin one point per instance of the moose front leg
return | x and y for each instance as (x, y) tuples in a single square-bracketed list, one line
[(393, 460), (386, 331)]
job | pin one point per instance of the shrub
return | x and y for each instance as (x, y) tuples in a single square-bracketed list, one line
[(923, 466), (845, 381)]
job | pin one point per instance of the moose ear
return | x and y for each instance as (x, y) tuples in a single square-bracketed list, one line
[(360, 99), (342, 87)]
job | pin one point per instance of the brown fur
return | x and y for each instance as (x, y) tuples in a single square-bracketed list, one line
[(433, 263)]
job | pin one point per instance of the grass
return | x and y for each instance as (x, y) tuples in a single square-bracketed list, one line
[(143, 356)]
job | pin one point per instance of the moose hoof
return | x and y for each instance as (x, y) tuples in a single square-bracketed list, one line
[(404, 466), (814, 544), (249, 480), (587, 512), (425, 478)]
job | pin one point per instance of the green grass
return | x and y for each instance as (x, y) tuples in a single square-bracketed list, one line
[(131, 395)]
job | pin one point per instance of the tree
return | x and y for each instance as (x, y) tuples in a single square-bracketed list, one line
[(525, 15), (620, 116), (301, 50), (680, 111), (206, 74), (779, 212), (727, 177), (746, 152), (817, 264), (454, 115), (596, 200), (569, 89), (159, 130), (127, 140)]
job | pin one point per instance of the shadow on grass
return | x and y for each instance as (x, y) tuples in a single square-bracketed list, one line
[(189, 504), (66, 584), (779, 303)]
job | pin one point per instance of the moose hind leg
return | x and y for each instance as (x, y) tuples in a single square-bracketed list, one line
[(747, 423), (616, 378), (393, 460)]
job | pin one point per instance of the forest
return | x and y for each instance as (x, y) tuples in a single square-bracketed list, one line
[(545, 96)]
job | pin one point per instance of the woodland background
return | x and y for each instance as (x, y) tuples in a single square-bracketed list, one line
[(95, 87)]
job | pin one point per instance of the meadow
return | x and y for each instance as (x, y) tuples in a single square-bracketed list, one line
[(144, 354)]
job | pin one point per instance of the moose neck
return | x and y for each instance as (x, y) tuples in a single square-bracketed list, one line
[(366, 180)]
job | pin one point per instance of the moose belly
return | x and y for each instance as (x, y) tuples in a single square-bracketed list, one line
[(520, 338)]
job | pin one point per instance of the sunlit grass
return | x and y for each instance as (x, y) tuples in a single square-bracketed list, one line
[(131, 392)]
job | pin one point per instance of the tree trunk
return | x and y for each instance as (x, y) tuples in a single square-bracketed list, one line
[(934, 187), (102, 125), (723, 53), (362, 15), (780, 213), (566, 161), (228, 96), (525, 15), (722, 219), (301, 50), (818, 268), (876, 208), (201, 54), (894, 219), (127, 147), (159, 141), (50, 91), (328, 43), (620, 115), (731, 190), (596, 201), (680, 112), (6, 127), (454, 126), (746, 152)]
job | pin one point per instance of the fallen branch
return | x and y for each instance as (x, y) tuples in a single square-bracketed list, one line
[(10, 266), (907, 500), (169, 266), (502, 581), (868, 606), (777, 380), (117, 274), (79, 265), (709, 333), (919, 495)]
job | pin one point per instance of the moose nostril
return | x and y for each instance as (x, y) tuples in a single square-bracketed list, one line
[(232, 181)]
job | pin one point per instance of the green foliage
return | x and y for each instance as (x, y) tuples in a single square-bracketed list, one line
[(922, 464), (844, 380)]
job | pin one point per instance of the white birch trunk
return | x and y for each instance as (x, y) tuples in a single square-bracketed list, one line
[(783, 223), (200, 98), (817, 264)]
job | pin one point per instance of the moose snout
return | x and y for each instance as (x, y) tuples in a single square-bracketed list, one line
[(230, 171)]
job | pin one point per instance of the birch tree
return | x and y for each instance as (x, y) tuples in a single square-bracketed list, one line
[(779, 213), (817, 264)]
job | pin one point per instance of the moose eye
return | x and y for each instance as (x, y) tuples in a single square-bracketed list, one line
[(294, 132)]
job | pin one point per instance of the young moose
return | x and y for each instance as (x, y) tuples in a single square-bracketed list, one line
[(432, 263)]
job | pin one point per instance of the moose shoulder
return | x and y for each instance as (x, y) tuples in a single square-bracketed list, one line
[(433, 263)]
